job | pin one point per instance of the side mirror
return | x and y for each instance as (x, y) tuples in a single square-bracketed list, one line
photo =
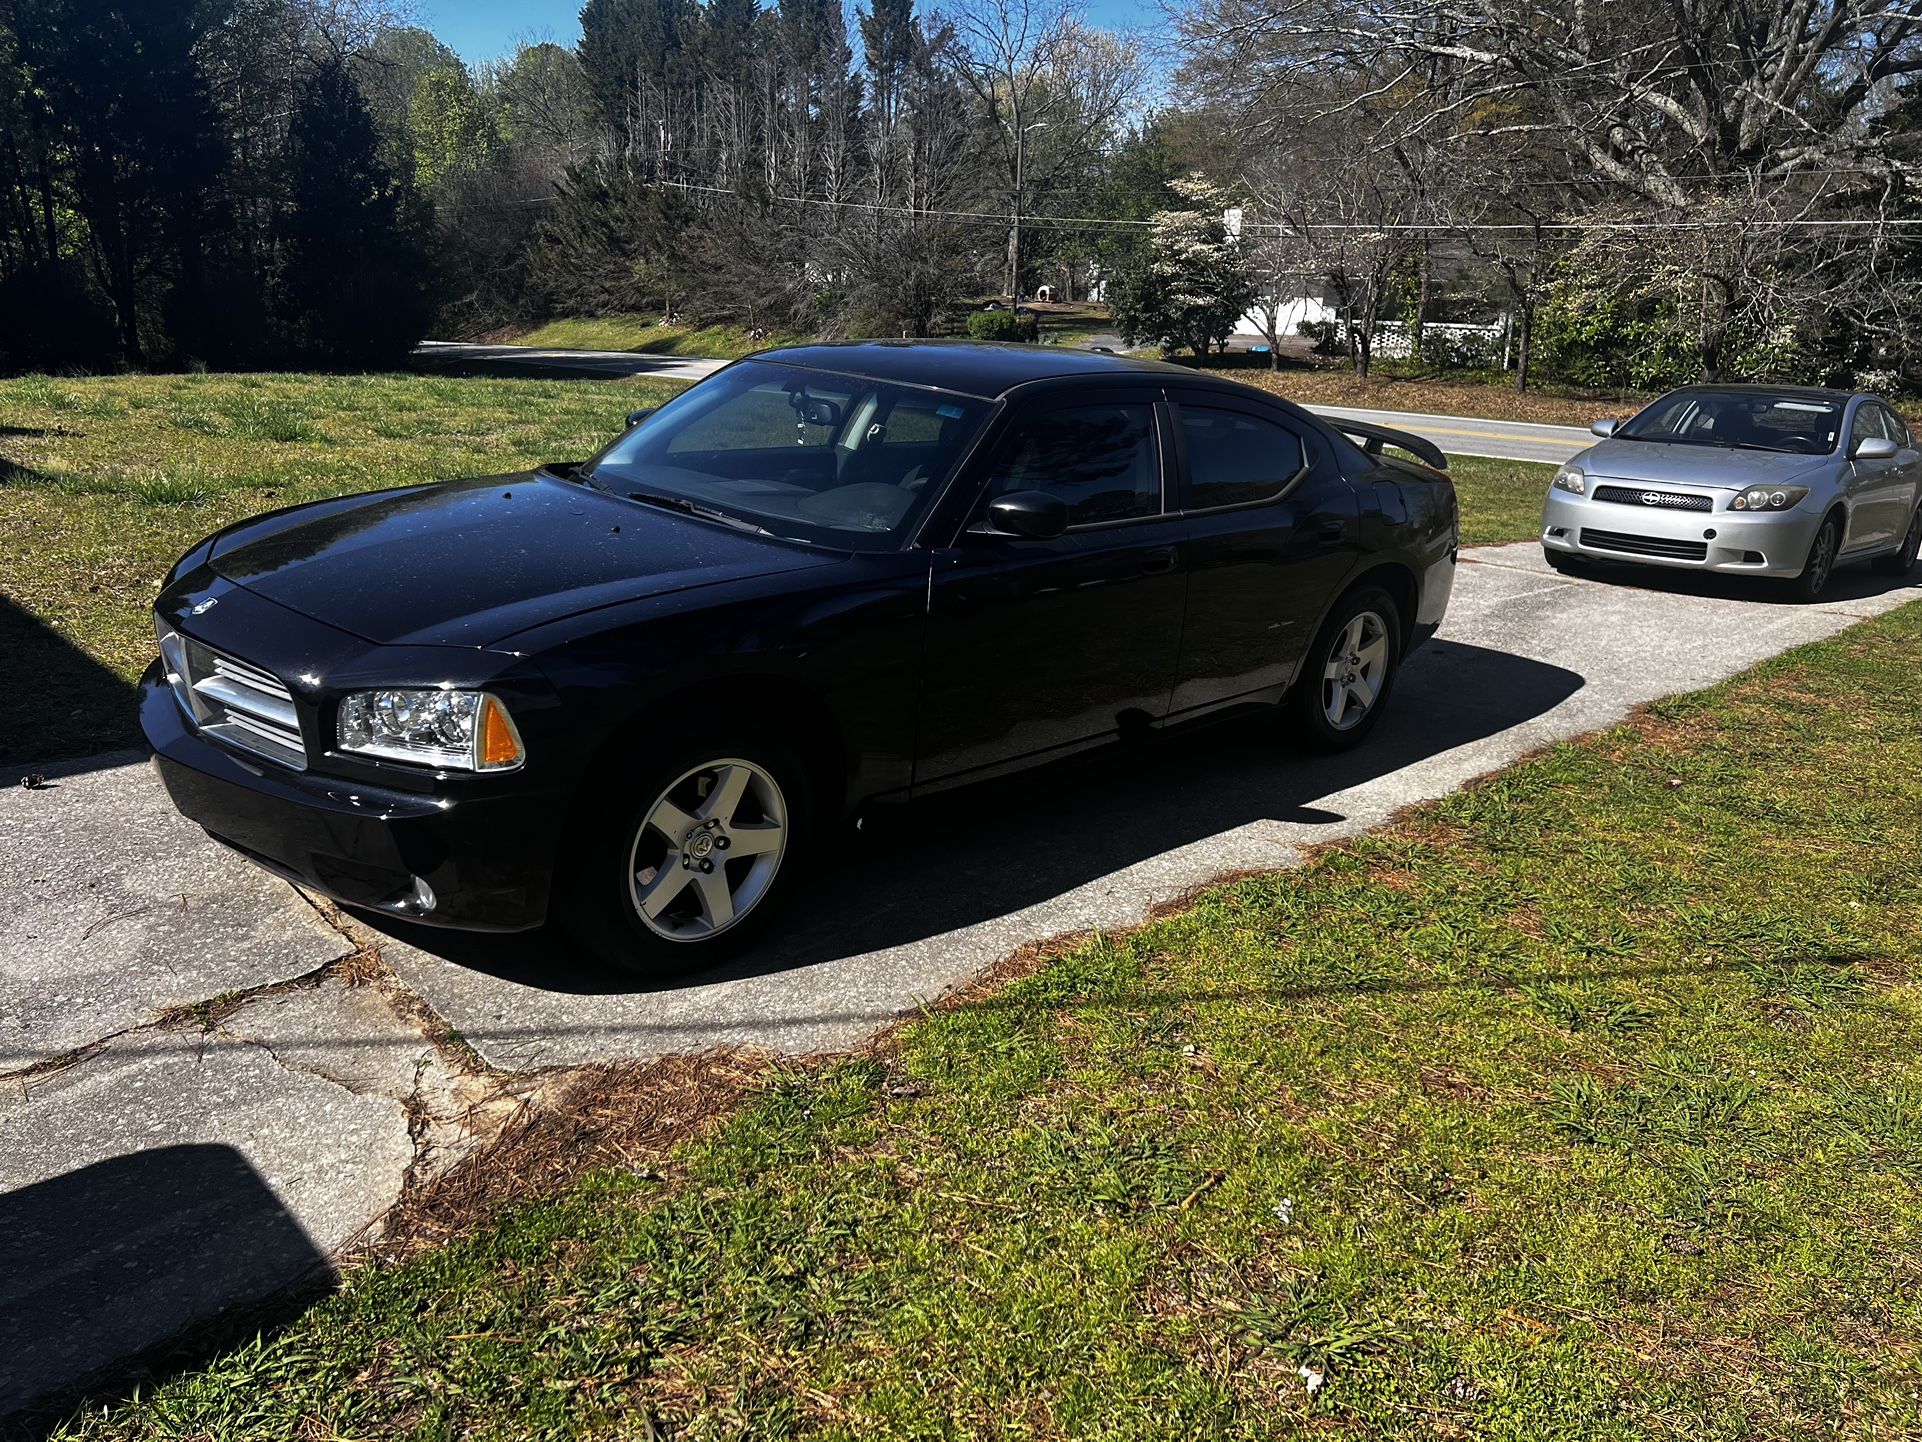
[(634, 418), (1605, 428), (1035, 515), (1875, 448)]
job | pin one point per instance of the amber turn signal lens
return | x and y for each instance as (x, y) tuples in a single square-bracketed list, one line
[(499, 745)]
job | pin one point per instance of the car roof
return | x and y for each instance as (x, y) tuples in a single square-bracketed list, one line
[(976, 368), (1757, 388)]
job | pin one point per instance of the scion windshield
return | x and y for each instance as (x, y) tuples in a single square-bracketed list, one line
[(1796, 424), (802, 453)]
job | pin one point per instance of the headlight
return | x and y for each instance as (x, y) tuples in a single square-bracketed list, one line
[(456, 730), (1768, 498), (1570, 478)]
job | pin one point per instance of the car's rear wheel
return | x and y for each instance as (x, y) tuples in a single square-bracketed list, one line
[(1901, 562), (1349, 671), (691, 863), (1820, 565)]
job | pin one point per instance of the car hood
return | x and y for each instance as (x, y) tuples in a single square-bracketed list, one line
[(1718, 467), (469, 563)]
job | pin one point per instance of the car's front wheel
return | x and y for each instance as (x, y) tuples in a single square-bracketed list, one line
[(700, 846), (1566, 563), (1820, 565), (1349, 671), (1900, 563)]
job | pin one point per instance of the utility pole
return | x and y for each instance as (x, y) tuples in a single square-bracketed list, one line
[(1014, 230)]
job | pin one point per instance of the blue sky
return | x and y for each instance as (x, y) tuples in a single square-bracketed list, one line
[(482, 29)]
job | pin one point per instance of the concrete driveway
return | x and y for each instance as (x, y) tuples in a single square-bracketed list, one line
[(199, 1105)]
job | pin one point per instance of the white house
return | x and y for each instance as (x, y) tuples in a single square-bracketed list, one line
[(1292, 311)]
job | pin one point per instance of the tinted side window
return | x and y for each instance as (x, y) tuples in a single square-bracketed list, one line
[(1867, 425), (1234, 458), (1102, 460), (1892, 426)]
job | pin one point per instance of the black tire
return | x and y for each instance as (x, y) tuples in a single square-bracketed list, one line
[(1901, 562), (1820, 566), (1310, 703), (1566, 562), (607, 868)]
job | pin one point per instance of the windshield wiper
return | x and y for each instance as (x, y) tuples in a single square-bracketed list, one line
[(695, 508)]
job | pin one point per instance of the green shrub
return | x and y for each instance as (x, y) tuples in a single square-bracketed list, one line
[(1002, 325)]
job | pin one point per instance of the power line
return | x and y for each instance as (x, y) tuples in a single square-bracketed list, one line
[(1280, 229)]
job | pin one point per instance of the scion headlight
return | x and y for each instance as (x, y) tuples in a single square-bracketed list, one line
[(1570, 478), (1768, 498), (456, 730)]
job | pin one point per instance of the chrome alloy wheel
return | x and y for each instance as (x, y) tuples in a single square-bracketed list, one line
[(1357, 665), (707, 850)]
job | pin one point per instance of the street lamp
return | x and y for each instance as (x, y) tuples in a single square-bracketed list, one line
[(1014, 236)]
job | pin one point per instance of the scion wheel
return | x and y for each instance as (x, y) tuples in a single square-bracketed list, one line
[(1820, 565), (1349, 671), (1565, 562), (1903, 561)]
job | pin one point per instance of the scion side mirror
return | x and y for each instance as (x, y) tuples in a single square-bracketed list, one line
[(1875, 448), (1605, 428), (1035, 515), (634, 418)]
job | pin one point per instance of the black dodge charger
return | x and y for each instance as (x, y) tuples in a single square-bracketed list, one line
[(633, 694)]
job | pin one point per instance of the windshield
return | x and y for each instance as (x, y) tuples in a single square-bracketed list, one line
[(803, 453), (1744, 419)]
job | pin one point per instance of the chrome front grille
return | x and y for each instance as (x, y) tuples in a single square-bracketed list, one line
[(1665, 500), (232, 701)]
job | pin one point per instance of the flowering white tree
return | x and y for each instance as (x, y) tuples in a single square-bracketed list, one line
[(1193, 284)]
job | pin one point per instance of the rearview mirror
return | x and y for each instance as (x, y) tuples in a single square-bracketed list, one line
[(1605, 428), (634, 418), (1035, 515), (1875, 448)]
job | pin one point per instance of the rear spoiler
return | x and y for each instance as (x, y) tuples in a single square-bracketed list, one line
[(1371, 438)]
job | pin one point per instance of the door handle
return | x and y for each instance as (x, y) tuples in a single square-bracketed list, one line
[(1330, 531), (1158, 562)]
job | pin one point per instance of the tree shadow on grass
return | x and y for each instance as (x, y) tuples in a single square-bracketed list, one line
[(55, 700)]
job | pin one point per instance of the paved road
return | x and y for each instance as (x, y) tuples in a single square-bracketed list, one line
[(159, 1165), (1473, 436), (571, 364), (1458, 435)]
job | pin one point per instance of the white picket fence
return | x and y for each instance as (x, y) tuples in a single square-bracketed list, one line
[(1462, 345)]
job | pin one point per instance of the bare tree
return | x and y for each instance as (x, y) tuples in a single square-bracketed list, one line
[(1051, 89)]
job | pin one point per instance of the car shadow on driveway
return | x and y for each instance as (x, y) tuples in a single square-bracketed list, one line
[(1856, 582), (914, 873)]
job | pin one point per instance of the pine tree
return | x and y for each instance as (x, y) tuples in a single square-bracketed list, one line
[(354, 282)]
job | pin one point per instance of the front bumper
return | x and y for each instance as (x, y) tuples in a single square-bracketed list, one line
[(485, 861), (1753, 544)]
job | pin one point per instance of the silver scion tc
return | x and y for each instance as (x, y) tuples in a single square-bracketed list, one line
[(1781, 481)]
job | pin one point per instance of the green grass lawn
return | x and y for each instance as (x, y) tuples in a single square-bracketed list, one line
[(1500, 500), (1584, 1104), (105, 481), (632, 333)]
